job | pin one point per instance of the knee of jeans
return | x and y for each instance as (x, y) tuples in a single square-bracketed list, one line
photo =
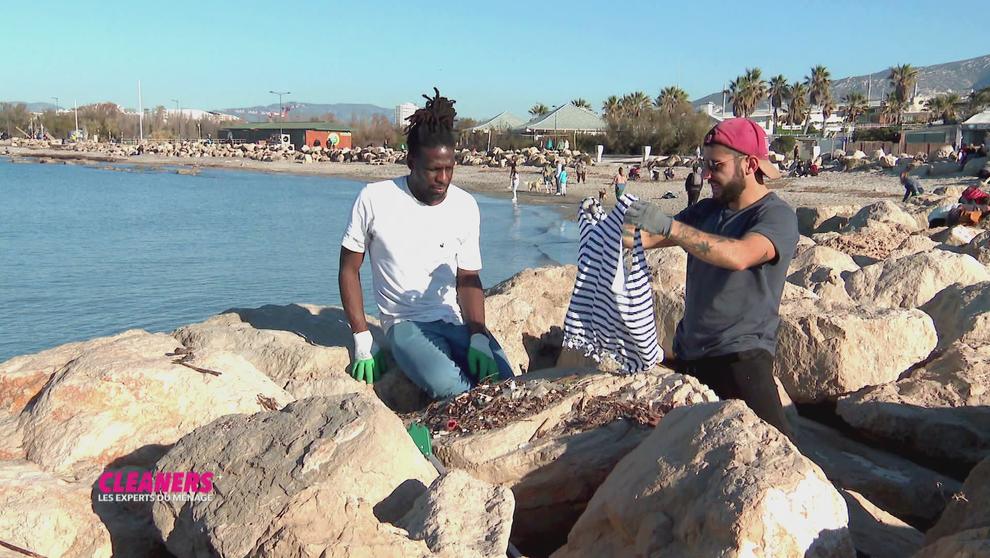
[(441, 386)]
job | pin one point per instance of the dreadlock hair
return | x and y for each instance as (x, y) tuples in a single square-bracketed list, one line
[(432, 125)]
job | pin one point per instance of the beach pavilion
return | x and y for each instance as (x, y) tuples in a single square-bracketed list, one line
[(565, 121), (976, 129), (503, 122)]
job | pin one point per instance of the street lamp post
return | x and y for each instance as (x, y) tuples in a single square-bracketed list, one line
[(178, 119), (280, 114), (56, 108)]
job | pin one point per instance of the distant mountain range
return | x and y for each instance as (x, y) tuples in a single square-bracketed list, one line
[(304, 111), (960, 77)]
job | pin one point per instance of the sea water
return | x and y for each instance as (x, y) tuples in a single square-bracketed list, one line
[(91, 251)]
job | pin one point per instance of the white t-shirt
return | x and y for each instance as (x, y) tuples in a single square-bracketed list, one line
[(415, 249)]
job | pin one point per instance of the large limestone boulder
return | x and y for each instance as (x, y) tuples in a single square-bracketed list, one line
[(941, 410), (961, 313), (462, 516), (911, 281), (978, 247), (944, 152), (826, 218), (886, 212), (867, 245), (891, 482), (317, 478), (525, 314), (822, 355), (876, 533), (565, 430), (974, 165), (127, 394), (713, 480), (825, 282), (911, 245), (44, 514), (888, 161), (669, 267), (959, 235), (823, 256), (964, 528), (296, 345)]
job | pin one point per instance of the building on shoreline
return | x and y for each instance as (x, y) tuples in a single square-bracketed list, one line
[(313, 134)]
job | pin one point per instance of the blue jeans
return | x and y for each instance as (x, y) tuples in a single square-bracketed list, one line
[(434, 356)]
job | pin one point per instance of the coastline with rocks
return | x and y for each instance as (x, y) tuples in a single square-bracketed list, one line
[(884, 320)]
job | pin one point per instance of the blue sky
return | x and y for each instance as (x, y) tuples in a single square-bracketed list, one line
[(490, 56)]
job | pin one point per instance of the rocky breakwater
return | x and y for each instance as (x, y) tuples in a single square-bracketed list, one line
[(880, 321)]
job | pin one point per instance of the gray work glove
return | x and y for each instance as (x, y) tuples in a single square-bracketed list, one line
[(649, 217)]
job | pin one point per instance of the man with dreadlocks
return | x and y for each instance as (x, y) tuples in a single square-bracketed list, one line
[(422, 234)]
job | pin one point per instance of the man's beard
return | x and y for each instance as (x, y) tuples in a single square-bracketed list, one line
[(729, 192)]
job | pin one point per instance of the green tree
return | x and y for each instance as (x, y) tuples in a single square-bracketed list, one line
[(635, 103), (892, 108), (581, 103), (902, 81), (539, 109), (797, 104), (670, 98), (610, 107), (14, 116), (746, 92), (979, 100), (855, 106), (777, 95)]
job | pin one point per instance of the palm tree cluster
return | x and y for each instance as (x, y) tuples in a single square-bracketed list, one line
[(943, 107), (902, 80), (666, 122), (746, 91)]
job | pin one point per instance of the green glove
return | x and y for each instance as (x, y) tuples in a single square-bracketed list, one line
[(369, 360), (481, 361), (647, 216)]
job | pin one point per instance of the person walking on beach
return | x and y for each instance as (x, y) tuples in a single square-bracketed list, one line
[(739, 244), (912, 186), (547, 177), (579, 170), (619, 183), (562, 181), (693, 184), (514, 180), (422, 235)]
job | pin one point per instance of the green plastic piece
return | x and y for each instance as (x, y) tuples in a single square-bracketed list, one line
[(421, 437)]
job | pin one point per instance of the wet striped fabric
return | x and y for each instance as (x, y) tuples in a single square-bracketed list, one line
[(611, 309)]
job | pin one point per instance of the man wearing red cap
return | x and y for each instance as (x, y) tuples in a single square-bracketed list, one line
[(739, 244)]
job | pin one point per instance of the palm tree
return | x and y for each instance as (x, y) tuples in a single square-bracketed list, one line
[(777, 94), (539, 109), (978, 100), (611, 106), (828, 107), (819, 85), (636, 103), (891, 109), (581, 103), (942, 107), (797, 103), (902, 80), (746, 92), (670, 98), (856, 106)]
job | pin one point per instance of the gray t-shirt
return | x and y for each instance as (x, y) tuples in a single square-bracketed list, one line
[(731, 311)]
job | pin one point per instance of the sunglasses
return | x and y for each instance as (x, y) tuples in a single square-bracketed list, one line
[(712, 166)]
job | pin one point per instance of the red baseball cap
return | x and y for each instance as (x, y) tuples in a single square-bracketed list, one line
[(747, 137)]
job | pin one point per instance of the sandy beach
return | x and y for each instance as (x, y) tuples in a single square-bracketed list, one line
[(829, 188)]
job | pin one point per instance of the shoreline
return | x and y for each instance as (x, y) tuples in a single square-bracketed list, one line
[(828, 188)]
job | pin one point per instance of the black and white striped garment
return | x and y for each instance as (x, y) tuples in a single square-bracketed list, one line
[(611, 309)]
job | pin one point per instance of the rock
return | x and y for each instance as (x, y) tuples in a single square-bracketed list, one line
[(978, 247), (47, 515), (823, 256), (123, 393), (317, 478), (823, 281), (961, 313), (969, 509), (462, 516), (888, 161), (713, 480), (525, 314), (857, 154), (876, 533), (552, 469), (829, 218), (958, 235), (668, 308), (866, 245), (822, 355), (942, 168), (11, 437), (913, 280), (803, 244), (945, 152), (892, 482), (878, 154), (952, 192), (972, 543), (669, 266), (885, 212), (974, 165), (911, 245), (855, 163), (941, 410)]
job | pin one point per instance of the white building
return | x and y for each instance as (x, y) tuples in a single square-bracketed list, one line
[(199, 114), (404, 111)]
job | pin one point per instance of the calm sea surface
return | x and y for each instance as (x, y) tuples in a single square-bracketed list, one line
[(87, 252)]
